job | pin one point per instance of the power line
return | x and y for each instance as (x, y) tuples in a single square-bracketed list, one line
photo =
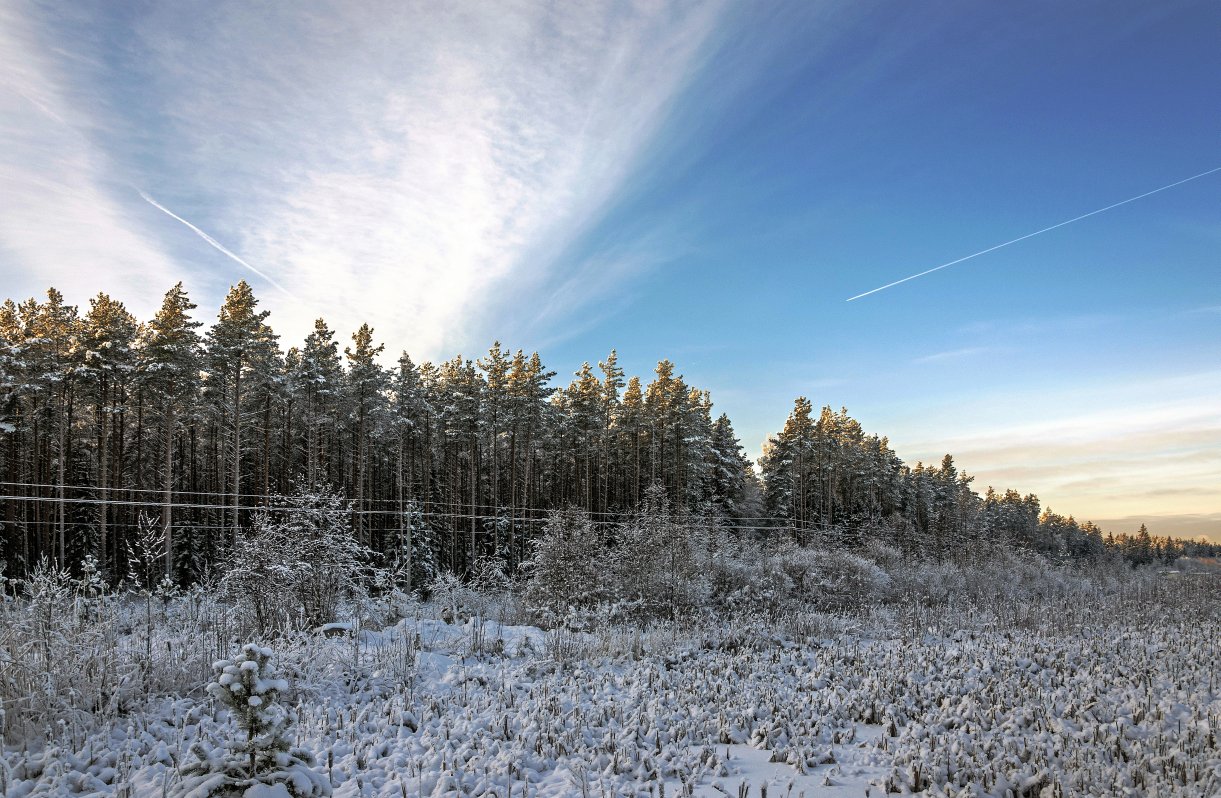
[(426, 513), (272, 496)]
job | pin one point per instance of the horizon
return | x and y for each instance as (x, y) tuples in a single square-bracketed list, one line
[(693, 182)]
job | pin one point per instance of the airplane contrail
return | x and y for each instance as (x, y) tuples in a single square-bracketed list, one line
[(1035, 233), (216, 244)]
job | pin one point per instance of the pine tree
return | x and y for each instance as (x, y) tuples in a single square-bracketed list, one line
[(55, 353), (108, 337), (788, 468), (169, 368), (568, 569), (582, 408), (631, 423), (612, 383), (461, 397), (728, 470), (528, 391), (365, 383), (240, 349), (320, 377), (12, 372), (497, 414)]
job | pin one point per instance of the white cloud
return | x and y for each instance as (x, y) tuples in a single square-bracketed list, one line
[(1138, 445), (953, 354), (60, 221), (412, 164)]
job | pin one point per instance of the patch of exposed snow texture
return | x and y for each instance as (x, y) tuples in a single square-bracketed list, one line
[(821, 706)]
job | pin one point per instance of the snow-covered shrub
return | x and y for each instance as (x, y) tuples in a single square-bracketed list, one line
[(493, 594), (447, 592), (658, 561), (843, 579), (299, 563), (146, 555), (61, 657), (926, 581), (743, 579), (263, 755), (568, 568)]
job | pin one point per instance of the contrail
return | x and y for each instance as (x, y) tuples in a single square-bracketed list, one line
[(1035, 233), (216, 244)]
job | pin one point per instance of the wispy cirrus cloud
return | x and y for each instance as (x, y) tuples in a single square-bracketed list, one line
[(952, 355), (62, 222), (414, 164)]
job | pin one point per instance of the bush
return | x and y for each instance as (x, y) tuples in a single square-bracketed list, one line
[(659, 561), (299, 563), (568, 568), (247, 687)]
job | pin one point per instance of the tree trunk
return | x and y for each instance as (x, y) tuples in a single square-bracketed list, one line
[(512, 561), (404, 528), (311, 442), (62, 444), (267, 449), (474, 499), (358, 517), (103, 455), (237, 450), (167, 507)]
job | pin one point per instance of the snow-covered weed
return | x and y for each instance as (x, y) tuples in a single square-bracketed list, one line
[(1053, 686)]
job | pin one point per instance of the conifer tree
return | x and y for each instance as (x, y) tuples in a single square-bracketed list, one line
[(728, 470), (169, 367), (108, 337), (248, 687), (54, 353), (631, 423), (495, 367), (366, 383), (612, 384), (240, 349), (319, 376)]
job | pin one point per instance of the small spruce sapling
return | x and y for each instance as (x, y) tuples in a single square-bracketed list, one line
[(248, 687)]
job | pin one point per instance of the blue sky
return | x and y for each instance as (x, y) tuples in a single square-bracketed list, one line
[(701, 181)]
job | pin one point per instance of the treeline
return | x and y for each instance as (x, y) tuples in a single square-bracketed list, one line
[(110, 425), (105, 420), (831, 479)]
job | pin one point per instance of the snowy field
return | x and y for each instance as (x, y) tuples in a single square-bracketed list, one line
[(958, 700)]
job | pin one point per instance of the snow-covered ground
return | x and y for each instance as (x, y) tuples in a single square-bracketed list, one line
[(841, 707)]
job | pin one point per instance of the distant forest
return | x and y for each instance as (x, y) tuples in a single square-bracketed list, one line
[(112, 428)]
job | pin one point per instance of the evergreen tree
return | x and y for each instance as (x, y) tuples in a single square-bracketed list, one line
[(729, 471), (54, 352), (612, 384), (366, 383), (248, 687), (319, 377), (109, 362), (168, 366), (241, 349)]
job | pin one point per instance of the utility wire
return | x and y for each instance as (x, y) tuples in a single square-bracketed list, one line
[(273, 496), (427, 514)]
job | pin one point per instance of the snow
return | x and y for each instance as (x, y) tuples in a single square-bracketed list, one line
[(854, 771), (948, 702), (267, 791)]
